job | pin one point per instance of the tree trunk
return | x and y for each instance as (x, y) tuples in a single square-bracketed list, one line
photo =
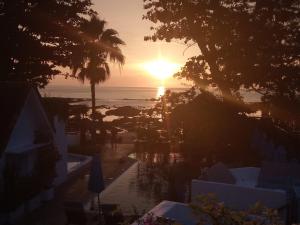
[(93, 128), (218, 77), (217, 74)]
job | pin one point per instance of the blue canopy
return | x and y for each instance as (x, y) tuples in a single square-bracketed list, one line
[(96, 182)]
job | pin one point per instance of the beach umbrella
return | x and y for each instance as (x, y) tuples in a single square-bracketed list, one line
[(96, 181)]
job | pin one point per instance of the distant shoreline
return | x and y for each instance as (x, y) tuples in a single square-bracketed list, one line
[(112, 96), (86, 101), (74, 100), (112, 87), (119, 96)]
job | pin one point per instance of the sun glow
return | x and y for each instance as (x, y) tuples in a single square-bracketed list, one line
[(161, 69), (160, 91)]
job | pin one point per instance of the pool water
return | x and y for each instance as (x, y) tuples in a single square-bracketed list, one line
[(125, 192), (146, 183)]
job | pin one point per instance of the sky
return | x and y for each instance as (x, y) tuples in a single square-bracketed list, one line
[(125, 16)]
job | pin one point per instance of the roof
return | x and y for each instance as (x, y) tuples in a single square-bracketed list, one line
[(179, 212), (12, 97)]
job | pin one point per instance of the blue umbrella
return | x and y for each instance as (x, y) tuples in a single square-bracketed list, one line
[(96, 181)]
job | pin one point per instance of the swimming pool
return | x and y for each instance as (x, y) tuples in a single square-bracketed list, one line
[(146, 183)]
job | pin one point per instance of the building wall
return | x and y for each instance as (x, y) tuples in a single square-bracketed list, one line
[(61, 143), (239, 197), (31, 119), (73, 139)]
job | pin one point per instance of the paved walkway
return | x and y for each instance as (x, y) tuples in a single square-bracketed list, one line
[(114, 163)]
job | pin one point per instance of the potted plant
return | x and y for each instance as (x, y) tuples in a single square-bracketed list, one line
[(151, 219)]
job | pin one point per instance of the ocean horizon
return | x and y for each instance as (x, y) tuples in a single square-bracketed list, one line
[(111, 96), (119, 96)]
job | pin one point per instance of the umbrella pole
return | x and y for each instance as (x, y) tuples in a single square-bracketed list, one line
[(101, 219)]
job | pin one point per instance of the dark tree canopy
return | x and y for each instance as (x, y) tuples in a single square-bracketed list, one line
[(90, 58), (211, 127), (37, 37), (244, 44)]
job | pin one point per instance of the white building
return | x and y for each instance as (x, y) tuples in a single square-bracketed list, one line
[(242, 188), (178, 212), (239, 189), (26, 131)]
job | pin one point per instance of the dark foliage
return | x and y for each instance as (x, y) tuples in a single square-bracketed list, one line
[(89, 61), (37, 37), (127, 111), (244, 44), (56, 107), (215, 129), (18, 187)]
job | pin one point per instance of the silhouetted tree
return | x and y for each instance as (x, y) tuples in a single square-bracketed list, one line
[(213, 128), (80, 120), (90, 58), (244, 44), (37, 37)]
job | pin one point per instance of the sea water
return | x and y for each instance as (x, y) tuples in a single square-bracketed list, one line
[(120, 96), (110, 96)]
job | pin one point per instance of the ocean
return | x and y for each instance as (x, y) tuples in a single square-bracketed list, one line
[(119, 96), (110, 96)]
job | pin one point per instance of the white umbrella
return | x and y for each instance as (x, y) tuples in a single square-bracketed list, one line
[(96, 181)]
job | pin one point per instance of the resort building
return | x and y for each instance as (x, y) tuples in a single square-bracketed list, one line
[(175, 212), (239, 189), (275, 185), (33, 151)]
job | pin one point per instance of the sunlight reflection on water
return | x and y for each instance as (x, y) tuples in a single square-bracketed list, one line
[(126, 191), (160, 91), (147, 182)]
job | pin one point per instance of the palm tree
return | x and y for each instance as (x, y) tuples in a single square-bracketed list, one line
[(90, 59)]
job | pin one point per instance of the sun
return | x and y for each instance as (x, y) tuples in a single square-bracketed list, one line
[(161, 69)]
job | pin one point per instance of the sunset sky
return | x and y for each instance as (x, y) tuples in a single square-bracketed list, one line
[(126, 18)]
